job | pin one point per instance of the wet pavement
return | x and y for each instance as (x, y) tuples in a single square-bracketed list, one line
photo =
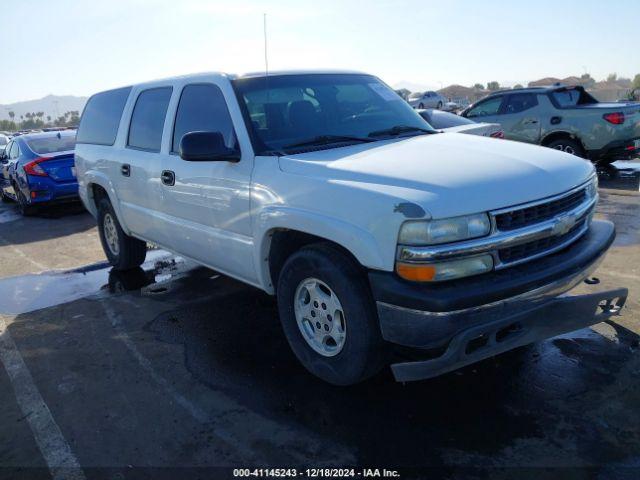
[(174, 366)]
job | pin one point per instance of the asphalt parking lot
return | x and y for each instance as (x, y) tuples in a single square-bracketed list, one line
[(170, 370)]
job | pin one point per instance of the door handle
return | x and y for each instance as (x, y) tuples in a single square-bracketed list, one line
[(125, 169), (530, 122), (168, 177)]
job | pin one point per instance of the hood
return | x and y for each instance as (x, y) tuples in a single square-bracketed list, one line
[(448, 174)]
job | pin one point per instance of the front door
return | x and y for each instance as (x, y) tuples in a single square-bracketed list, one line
[(206, 203), (520, 118)]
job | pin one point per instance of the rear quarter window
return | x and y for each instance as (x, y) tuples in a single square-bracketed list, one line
[(101, 117)]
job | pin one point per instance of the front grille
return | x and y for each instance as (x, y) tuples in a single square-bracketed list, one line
[(523, 217), (513, 254)]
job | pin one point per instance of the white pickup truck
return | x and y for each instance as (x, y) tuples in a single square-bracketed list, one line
[(372, 229)]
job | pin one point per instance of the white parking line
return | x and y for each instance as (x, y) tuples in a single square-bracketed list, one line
[(55, 450)]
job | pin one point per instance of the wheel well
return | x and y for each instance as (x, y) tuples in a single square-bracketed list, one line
[(284, 243), (98, 194), (552, 137)]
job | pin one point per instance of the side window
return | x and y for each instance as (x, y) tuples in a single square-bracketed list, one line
[(202, 108), (101, 117), (519, 102), (147, 119), (487, 107), (15, 151)]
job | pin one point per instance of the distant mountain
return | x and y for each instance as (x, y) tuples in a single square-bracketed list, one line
[(52, 105)]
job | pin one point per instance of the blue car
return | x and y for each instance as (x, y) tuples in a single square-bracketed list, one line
[(41, 169)]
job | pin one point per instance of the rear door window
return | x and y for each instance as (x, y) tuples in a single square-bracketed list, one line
[(147, 120), (519, 102), (101, 117), (202, 108)]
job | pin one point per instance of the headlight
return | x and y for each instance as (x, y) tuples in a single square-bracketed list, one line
[(448, 270), (433, 232)]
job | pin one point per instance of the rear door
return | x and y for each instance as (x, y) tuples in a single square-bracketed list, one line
[(206, 208), (520, 117), (138, 178)]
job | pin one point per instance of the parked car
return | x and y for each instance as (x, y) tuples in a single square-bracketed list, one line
[(41, 169), (449, 122), (371, 228), (564, 118), (427, 100), (4, 139)]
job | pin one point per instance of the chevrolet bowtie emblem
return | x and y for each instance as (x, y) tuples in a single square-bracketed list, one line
[(563, 225)]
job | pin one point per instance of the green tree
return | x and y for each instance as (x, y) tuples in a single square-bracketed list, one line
[(478, 86), (493, 86), (636, 81), (12, 114), (612, 77), (517, 85)]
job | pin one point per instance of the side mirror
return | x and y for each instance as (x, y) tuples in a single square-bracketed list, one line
[(206, 147)]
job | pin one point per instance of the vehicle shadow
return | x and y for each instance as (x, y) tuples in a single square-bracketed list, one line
[(234, 343), (621, 176), (48, 223)]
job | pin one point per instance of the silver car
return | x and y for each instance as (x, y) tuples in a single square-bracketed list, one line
[(427, 100)]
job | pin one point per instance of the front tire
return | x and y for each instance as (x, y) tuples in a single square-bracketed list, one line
[(328, 315), (122, 251), (568, 146)]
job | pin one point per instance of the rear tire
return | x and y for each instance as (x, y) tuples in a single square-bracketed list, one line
[(26, 210), (337, 337), (122, 251), (568, 146)]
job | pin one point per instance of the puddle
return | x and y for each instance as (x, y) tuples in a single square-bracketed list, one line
[(27, 293)]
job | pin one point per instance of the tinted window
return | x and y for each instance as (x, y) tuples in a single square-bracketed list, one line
[(56, 143), (15, 151), (519, 102), (101, 117), (488, 107), (147, 119), (202, 108)]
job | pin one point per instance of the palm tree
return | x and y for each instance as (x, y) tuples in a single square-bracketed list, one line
[(12, 115)]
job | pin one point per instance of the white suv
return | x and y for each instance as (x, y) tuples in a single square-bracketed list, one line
[(373, 230)]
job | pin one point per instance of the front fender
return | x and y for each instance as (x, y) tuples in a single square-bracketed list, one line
[(361, 243)]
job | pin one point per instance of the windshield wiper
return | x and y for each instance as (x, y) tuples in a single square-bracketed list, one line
[(328, 139), (400, 129)]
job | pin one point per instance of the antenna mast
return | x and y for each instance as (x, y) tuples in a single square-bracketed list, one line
[(266, 60)]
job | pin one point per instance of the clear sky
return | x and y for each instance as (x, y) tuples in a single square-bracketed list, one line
[(80, 47)]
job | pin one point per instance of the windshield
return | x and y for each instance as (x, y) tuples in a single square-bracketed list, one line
[(415, 95), (56, 143), (288, 110)]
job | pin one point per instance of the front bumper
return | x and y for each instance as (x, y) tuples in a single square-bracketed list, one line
[(482, 316)]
